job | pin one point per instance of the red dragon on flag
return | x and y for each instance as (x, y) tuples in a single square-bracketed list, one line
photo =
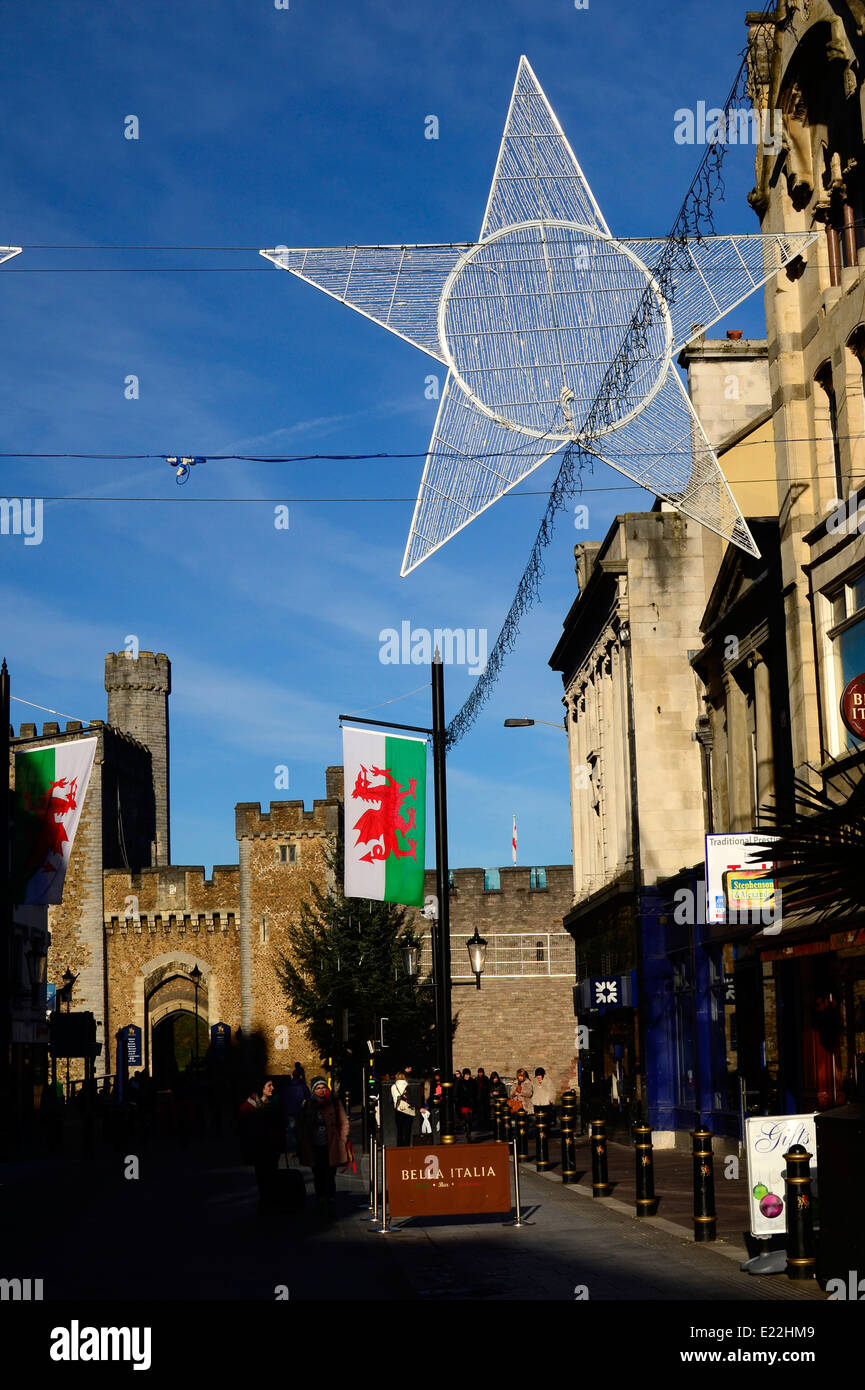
[(380, 827)]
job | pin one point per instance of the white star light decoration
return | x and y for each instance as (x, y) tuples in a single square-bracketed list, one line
[(528, 320)]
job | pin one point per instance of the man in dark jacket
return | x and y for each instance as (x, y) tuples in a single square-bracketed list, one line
[(465, 1100)]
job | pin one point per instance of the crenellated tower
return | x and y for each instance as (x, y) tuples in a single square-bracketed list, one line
[(138, 690)]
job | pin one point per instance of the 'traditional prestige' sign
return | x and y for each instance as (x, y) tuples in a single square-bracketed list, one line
[(449, 1180)]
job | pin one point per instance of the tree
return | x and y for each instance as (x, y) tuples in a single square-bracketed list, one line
[(344, 960), (821, 849)]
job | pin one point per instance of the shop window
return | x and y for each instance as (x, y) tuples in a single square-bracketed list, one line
[(537, 879), (492, 881), (847, 638)]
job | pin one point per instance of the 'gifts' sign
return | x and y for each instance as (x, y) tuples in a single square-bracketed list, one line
[(448, 1181)]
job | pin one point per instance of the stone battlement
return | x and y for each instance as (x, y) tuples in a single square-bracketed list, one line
[(291, 817), (172, 889), (74, 729), (146, 671)]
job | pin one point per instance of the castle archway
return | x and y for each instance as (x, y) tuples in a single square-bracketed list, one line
[(175, 1014)]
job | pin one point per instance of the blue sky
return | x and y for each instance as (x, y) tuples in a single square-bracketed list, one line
[(305, 126)]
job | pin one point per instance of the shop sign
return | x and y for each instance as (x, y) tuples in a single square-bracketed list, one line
[(605, 992), (853, 706), (767, 1139), (449, 1180), (738, 883)]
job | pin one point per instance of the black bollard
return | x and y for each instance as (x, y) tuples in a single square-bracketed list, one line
[(522, 1135), (542, 1151), (569, 1108), (647, 1202), (446, 1114), (600, 1175), (569, 1153), (801, 1259), (705, 1221)]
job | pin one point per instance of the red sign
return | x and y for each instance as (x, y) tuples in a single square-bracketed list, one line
[(450, 1180), (853, 706)]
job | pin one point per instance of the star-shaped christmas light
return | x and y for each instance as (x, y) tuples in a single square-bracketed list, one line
[(528, 320)]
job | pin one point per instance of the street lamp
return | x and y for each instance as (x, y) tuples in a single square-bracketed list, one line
[(410, 951), (527, 723), (477, 949), (195, 977)]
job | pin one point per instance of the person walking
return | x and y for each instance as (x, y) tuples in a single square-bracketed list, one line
[(294, 1093), (465, 1100), (543, 1096), (262, 1137), (322, 1134), (403, 1110)]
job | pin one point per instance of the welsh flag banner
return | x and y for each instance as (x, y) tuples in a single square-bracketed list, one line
[(385, 809), (50, 787)]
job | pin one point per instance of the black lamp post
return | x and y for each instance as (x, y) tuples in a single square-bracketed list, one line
[(477, 949), (195, 977)]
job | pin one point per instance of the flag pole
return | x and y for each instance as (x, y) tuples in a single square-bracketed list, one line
[(443, 943)]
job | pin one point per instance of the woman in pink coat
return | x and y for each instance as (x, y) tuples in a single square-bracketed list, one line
[(322, 1133)]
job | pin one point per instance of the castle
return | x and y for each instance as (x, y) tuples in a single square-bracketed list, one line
[(133, 927)]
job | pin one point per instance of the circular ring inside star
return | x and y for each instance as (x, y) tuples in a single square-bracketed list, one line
[(531, 318)]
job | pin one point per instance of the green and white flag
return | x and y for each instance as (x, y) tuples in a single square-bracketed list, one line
[(50, 787), (385, 812)]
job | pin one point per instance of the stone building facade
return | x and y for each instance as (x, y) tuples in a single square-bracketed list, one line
[(635, 711), (523, 1014)]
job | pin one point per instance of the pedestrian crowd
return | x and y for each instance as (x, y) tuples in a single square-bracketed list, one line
[(473, 1096)]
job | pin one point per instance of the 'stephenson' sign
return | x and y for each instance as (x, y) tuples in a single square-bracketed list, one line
[(448, 1181), (853, 706)]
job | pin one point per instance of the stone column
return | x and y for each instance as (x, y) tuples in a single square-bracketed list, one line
[(764, 737), (618, 762), (738, 756)]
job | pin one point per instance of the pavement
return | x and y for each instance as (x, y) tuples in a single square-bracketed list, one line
[(188, 1227)]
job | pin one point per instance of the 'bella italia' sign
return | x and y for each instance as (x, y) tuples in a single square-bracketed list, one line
[(445, 1182), (853, 706)]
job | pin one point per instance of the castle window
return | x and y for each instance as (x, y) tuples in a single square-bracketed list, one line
[(263, 931), (172, 921), (213, 925), (288, 854), (492, 881), (202, 921), (229, 925), (539, 951), (187, 920), (537, 881), (115, 922)]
